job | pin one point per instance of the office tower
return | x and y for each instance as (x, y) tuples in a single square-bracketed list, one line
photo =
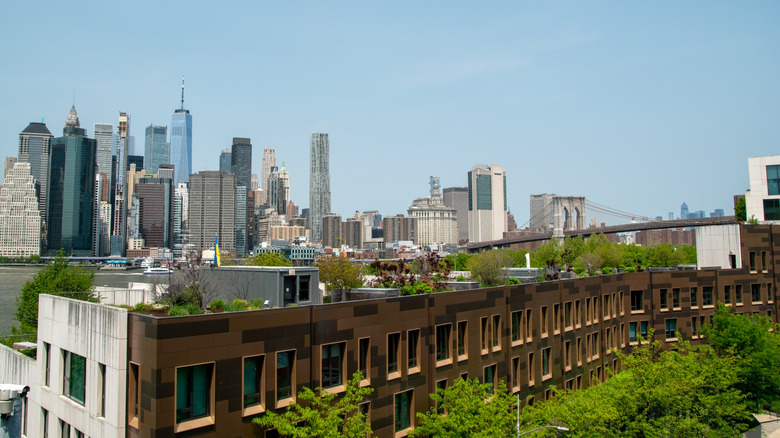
[(35, 148), (8, 165), (104, 135), (101, 226), (71, 190), (399, 228), (156, 146), (20, 219), (155, 211), (242, 219), (458, 198), (319, 183), (279, 190), (224, 161), (180, 206), (487, 203), (331, 231), (119, 225), (254, 182), (212, 198), (241, 161), (181, 141), (436, 223), (684, 211), (269, 161), (137, 161)]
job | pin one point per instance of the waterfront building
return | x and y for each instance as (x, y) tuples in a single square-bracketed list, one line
[(181, 141), (319, 184), (487, 203), (156, 147), (20, 219)]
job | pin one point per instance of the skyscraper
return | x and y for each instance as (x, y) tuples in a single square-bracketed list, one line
[(224, 161), (155, 207), (269, 161), (20, 219), (72, 190), (241, 161), (181, 141), (458, 198), (156, 146), (319, 183), (212, 199), (35, 148), (487, 203), (436, 223), (104, 135), (119, 225)]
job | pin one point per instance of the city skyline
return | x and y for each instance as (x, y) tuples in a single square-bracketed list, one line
[(669, 100)]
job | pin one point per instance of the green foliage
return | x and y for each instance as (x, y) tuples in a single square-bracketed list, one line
[(488, 266), (237, 305), (270, 258), (57, 278), (185, 309), (547, 254), (664, 255), (189, 295), (217, 304), (754, 343), (512, 280), (752, 220), (687, 392), (322, 414), (461, 261), (256, 303), (340, 273), (141, 307), (468, 409), (460, 278), (740, 209)]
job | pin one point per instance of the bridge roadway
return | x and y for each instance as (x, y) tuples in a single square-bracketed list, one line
[(612, 229)]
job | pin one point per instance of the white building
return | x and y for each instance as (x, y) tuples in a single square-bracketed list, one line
[(20, 219), (436, 223), (487, 203), (763, 198)]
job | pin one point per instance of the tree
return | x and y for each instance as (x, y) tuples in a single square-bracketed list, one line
[(488, 266), (687, 392), (661, 256), (740, 209), (547, 254), (340, 273), (323, 414), (57, 278), (468, 409), (270, 258), (754, 342)]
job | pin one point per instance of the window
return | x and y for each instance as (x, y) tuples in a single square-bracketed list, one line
[(773, 180), (489, 376), (64, 429), (546, 370), (663, 297), (727, 294), (303, 288), (567, 316), (752, 258), (285, 378), (443, 348), (594, 352), (556, 318), (577, 314), (47, 362), (769, 293), (517, 327), (738, 294), (671, 328), (643, 329), (543, 320), (462, 340), (567, 355), (74, 377), (365, 410), (364, 348), (637, 304), (632, 331), (755, 293), (529, 336), (332, 362), (606, 306), (621, 304), (403, 410), (496, 332), (102, 389), (587, 311), (515, 373), (393, 343), (694, 297), (676, 298), (771, 209), (622, 334), (706, 296), (413, 350), (441, 385), (531, 371), (45, 421), (579, 351), (764, 266), (694, 331), (484, 334), (133, 394), (194, 391), (253, 385)]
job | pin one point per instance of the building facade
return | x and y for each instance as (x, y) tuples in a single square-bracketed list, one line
[(225, 161), (241, 161), (156, 148), (399, 228), (35, 148), (20, 219), (319, 184), (181, 141), (269, 161), (104, 136), (458, 198), (487, 203), (331, 231), (762, 201), (436, 223), (155, 211), (120, 196), (212, 209)]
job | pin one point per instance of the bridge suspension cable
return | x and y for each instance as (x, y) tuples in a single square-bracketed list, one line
[(615, 212)]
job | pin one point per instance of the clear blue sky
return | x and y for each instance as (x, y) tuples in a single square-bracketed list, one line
[(635, 105)]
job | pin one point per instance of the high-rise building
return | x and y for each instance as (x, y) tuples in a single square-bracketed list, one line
[(156, 148), (119, 225), (180, 206), (225, 161), (269, 161), (255, 184), (241, 161), (8, 165), (212, 209), (241, 218), (487, 203), (71, 190), (399, 228), (436, 223), (101, 227), (352, 233), (181, 141), (279, 190), (35, 148), (104, 135), (684, 211), (155, 211), (331, 231), (20, 219), (458, 198), (319, 183)]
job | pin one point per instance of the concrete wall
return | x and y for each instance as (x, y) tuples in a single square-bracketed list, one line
[(714, 245)]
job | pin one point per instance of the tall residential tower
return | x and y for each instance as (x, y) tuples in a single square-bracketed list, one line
[(319, 184)]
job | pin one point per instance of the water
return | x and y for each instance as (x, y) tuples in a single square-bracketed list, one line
[(12, 278)]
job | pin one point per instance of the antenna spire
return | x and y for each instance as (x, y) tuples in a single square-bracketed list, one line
[(182, 92)]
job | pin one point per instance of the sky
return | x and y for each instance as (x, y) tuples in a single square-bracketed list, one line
[(638, 106)]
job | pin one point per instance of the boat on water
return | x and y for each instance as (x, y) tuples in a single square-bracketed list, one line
[(158, 271)]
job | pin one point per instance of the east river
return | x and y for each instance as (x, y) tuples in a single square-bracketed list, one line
[(12, 278)]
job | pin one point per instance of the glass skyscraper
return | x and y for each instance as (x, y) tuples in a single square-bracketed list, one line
[(181, 142), (156, 148)]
